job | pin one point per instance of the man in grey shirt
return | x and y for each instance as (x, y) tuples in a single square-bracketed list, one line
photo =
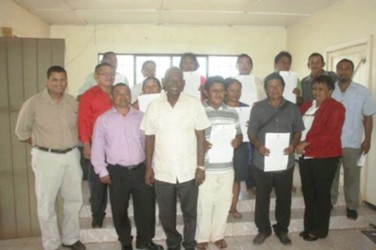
[(273, 115)]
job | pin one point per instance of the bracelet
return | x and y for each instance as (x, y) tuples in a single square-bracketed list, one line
[(201, 167)]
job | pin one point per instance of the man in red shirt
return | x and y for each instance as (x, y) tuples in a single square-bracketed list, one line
[(93, 103)]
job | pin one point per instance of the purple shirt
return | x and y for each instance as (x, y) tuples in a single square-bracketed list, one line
[(117, 139)]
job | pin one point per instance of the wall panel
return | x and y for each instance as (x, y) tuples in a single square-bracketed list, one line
[(23, 66)]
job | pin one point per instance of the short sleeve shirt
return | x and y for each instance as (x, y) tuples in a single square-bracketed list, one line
[(358, 102), (175, 149), (288, 121), (224, 115)]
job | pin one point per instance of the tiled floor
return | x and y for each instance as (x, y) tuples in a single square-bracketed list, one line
[(337, 239)]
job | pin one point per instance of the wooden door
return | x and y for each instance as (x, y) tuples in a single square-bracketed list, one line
[(23, 66)]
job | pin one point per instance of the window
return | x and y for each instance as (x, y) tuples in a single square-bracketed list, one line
[(130, 65)]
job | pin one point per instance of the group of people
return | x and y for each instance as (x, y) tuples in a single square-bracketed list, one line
[(164, 155)]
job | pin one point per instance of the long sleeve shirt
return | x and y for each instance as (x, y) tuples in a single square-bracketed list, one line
[(49, 123), (117, 139), (92, 104)]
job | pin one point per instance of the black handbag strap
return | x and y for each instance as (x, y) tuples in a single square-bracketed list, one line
[(280, 110)]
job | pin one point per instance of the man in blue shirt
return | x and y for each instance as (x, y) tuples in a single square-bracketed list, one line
[(360, 107)]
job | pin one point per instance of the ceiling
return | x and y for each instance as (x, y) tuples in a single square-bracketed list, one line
[(162, 12)]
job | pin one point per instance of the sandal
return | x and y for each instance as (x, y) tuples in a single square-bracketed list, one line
[(235, 214), (202, 245), (221, 244)]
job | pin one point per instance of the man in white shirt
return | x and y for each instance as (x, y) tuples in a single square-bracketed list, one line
[(174, 126), (110, 58)]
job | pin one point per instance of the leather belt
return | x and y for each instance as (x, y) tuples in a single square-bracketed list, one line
[(130, 167), (56, 151)]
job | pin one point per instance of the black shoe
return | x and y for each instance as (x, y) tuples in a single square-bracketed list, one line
[(303, 234), (310, 237), (97, 223), (260, 238), (351, 214), (76, 246), (127, 247), (150, 246), (283, 238)]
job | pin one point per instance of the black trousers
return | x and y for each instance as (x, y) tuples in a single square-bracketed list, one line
[(124, 184), (317, 176), (282, 183), (98, 195), (167, 195)]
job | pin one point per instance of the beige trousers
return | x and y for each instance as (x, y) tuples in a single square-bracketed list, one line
[(54, 173), (214, 201)]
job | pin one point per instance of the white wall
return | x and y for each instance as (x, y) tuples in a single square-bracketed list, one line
[(342, 23), (345, 22), (84, 43), (22, 22)]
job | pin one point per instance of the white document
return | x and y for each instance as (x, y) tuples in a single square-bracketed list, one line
[(192, 84), (291, 81), (145, 100), (249, 90), (362, 160), (220, 138), (276, 143), (244, 114)]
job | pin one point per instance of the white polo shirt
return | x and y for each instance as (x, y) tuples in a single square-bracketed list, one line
[(175, 149)]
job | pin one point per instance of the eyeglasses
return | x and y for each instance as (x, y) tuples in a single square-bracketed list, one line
[(106, 74)]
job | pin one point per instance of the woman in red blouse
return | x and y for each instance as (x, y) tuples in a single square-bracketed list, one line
[(320, 150)]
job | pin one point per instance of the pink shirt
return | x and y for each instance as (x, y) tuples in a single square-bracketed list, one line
[(117, 139)]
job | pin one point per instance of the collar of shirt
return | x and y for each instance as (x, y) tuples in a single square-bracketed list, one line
[(207, 106)]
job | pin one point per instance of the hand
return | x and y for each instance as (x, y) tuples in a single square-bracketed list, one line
[(299, 149), (208, 146), (235, 143), (263, 150), (149, 176), (288, 150), (87, 150), (365, 146), (296, 91), (105, 179), (200, 176)]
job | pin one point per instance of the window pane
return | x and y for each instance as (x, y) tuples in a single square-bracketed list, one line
[(125, 66), (162, 62), (202, 60), (224, 66)]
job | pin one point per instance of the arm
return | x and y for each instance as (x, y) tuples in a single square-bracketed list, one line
[(83, 125), (258, 146), (235, 143), (295, 140), (252, 131), (24, 123), (149, 148), (98, 158), (28, 141), (368, 125), (298, 91), (200, 173)]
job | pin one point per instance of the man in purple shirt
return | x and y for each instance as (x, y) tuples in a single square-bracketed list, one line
[(118, 155)]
